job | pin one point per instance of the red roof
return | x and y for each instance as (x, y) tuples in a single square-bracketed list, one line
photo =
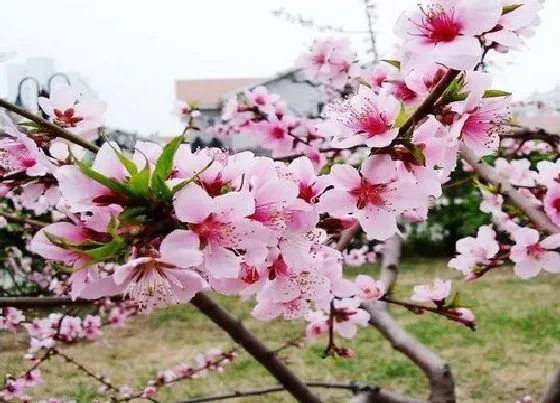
[(550, 123), (210, 92)]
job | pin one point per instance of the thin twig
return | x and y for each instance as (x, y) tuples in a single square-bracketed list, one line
[(488, 173), (23, 220), (43, 302), (257, 392), (86, 371), (235, 328), (426, 107), (52, 129)]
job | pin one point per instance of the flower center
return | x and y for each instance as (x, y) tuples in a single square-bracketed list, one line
[(368, 193), (249, 274), (66, 118), (439, 25), (535, 251), (403, 93), (277, 132), (556, 204), (207, 229), (279, 267), (306, 192), (319, 58), (260, 100), (373, 124)]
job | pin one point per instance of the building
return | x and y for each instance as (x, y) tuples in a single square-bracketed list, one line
[(302, 97), (541, 110), (34, 78)]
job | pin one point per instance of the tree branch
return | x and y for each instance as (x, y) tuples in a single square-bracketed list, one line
[(253, 346), (41, 302), (346, 237), (23, 220), (552, 394), (383, 396), (52, 129), (539, 218), (427, 106), (436, 369)]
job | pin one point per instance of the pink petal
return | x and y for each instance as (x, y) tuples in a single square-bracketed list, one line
[(221, 262), (379, 224), (527, 268), (234, 206), (337, 202), (192, 204), (379, 169), (181, 248), (344, 176)]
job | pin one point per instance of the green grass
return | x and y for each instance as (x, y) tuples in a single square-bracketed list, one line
[(512, 353)]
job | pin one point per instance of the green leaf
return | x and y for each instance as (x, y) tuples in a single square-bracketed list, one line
[(461, 96), (363, 82), (452, 93), (139, 183), (455, 301), (127, 163), (181, 185), (163, 168), (66, 244), (60, 268), (115, 186), (509, 8), (402, 116), (133, 214), (395, 63), (418, 154), (495, 94), (29, 124), (106, 251), (193, 103), (112, 228)]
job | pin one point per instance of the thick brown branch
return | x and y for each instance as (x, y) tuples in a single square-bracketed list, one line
[(346, 237), (552, 394), (539, 218), (253, 346), (437, 370), (383, 396), (52, 129)]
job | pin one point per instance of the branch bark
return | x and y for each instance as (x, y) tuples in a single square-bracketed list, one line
[(387, 397), (438, 372), (552, 394), (539, 218), (41, 302), (23, 220), (253, 346), (52, 129), (427, 105)]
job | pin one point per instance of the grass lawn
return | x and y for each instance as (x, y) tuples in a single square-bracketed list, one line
[(513, 352)]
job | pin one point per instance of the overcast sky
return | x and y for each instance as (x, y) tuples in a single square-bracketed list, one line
[(132, 51)]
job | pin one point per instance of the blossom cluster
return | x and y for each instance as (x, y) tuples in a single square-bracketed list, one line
[(214, 360), (524, 247), (267, 118), (15, 388), (164, 222), (359, 256), (329, 62)]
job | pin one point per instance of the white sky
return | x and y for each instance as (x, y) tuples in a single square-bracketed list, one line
[(132, 51)]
